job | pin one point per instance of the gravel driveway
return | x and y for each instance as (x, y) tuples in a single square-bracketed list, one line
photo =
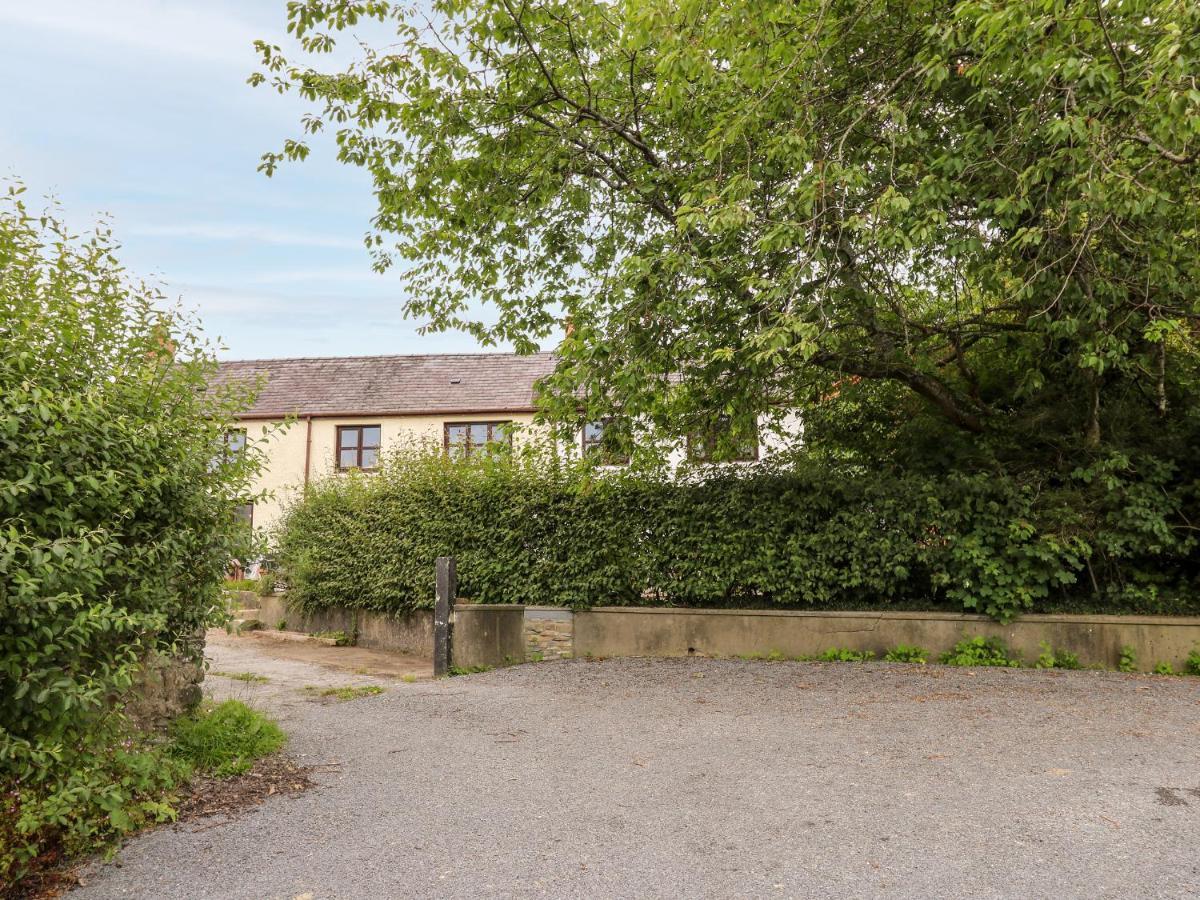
[(686, 778)]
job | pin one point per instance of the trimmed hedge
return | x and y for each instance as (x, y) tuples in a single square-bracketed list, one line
[(535, 530)]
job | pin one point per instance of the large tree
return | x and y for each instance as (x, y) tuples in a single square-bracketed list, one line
[(985, 213)]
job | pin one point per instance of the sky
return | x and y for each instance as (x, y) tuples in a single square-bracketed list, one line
[(138, 111)]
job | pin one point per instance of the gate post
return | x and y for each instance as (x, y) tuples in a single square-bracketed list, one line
[(447, 588)]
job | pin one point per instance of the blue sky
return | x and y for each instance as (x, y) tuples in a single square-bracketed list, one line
[(139, 110)]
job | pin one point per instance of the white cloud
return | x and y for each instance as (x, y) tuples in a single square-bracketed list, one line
[(263, 234)]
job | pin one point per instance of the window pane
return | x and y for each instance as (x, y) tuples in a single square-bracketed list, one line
[(370, 436), (349, 437), (370, 458), (592, 432), (348, 459), (479, 434), (235, 442)]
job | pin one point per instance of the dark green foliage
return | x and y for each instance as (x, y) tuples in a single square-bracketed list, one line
[(116, 516), (1164, 668), (1192, 667), (1127, 662), (117, 785), (531, 529), (906, 654), (980, 651), (225, 739)]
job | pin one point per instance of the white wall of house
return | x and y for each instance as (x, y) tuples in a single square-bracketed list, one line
[(287, 446)]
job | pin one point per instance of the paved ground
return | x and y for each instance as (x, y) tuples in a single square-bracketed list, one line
[(688, 778)]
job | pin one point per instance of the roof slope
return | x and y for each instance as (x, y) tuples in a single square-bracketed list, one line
[(391, 385)]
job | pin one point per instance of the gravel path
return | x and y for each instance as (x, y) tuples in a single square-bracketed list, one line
[(687, 778)]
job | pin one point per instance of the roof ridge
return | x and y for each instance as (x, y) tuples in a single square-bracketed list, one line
[(476, 353)]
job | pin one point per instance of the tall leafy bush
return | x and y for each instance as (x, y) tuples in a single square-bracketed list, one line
[(534, 529), (116, 509)]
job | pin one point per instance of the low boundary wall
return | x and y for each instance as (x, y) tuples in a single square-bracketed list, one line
[(1097, 640), (411, 633)]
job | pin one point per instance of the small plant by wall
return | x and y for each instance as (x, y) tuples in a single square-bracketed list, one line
[(904, 653), (980, 651)]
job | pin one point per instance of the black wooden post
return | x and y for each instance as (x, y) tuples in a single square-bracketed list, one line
[(447, 588)]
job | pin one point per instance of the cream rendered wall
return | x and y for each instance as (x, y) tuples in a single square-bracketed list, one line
[(284, 447)]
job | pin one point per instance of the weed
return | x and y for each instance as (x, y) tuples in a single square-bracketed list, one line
[(1049, 659), (468, 670), (1192, 666), (282, 626), (408, 679), (1128, 660), (844, 654), (905, 653), (980, 651), (1164, 668), (251, 625), (536, 656), (225, 739), (250, 677), (339, 638), (350, 692)]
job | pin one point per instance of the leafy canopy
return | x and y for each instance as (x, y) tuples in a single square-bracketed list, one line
[(982, 215), (116, 502)]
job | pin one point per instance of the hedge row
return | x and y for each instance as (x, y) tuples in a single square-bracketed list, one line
[(536, 531)]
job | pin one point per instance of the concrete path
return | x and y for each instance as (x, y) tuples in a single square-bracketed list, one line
[(707, 778)]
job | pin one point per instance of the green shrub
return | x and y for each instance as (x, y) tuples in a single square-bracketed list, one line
[(907, 654), (1192, 666), (1127, 662), (112, 786), (844, 654), (1050, 659), (240, 584), (225, 739), (265, 586), (117, 499), (787, 533), (1164, 668), (980, 651)]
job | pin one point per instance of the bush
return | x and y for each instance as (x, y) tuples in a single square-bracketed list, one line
[(531, 528), (980, 651), (907, 654), (116, 514), (116, 785), (1051, 659), (1192, 666), (225, 739)]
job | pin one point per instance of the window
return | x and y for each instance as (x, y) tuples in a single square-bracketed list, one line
[(358, 447), (232, 447), (465, 439), (244, 514), (721, 442), (235, 442), (606, 442)]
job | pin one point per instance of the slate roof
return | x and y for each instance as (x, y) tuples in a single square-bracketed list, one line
[(430, 384)]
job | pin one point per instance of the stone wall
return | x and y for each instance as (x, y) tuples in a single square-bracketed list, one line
[(165, 688), (549, 632)]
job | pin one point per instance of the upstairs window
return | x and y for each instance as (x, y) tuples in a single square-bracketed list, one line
[(358, 447), (232, 447), (606, 442), (464, 439), (724, 441)]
